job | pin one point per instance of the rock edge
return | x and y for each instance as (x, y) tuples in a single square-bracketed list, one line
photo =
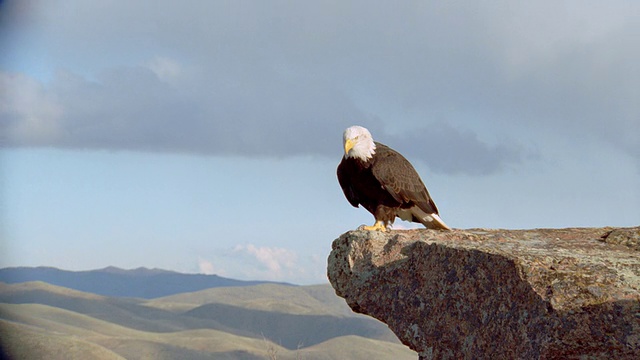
[(543, 293)]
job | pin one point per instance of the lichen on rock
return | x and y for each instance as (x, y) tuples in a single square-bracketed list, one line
[(544, 293)]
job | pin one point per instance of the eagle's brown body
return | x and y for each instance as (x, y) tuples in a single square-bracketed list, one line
[(387, 185)]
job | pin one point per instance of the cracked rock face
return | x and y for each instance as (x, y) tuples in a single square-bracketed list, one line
[(544, 293)]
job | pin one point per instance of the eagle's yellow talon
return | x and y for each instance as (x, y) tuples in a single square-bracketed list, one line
[(378, 226)]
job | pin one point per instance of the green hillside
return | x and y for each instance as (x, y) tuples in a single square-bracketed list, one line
[(291, 330), (19, 341), (254, 322), (358, 348), (311, 300)]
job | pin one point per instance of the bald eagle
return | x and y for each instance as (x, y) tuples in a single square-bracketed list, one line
[(384, 182)]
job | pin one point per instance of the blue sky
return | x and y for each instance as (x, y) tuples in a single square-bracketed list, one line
[(204, 136)]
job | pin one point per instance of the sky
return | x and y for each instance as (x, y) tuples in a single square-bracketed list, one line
[(204, 136)]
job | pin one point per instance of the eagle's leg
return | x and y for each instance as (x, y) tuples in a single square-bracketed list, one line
[(378, 226)]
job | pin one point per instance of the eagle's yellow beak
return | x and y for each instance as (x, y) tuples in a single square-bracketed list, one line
[(348, 145)]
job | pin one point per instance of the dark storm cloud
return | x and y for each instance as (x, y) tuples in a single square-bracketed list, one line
[(448, 150), (285, 78), (131, 108)]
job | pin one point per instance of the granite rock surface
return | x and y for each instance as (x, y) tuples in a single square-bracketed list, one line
[(480, 293)]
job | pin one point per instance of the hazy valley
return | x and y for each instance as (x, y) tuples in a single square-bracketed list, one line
[(223, 319)]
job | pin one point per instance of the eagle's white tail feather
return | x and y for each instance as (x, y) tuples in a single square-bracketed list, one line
[(431, 221), (437, 220)]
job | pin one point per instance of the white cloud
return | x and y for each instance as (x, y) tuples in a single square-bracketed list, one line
[(276, 260), (206, 267), (28, 113), (165, 69), (266, 263), (403, 225)]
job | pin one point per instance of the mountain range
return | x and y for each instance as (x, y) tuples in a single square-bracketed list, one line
[(218, 318), (112, 281)]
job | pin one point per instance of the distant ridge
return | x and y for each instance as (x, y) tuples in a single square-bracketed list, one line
[(45, 321), (139, 271), (112, 281)]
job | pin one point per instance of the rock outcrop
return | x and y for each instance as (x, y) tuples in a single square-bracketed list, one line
[(499, 294)]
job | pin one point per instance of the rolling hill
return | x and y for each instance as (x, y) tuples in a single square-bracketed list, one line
[(315, 299), (262, 321), (112, 281)]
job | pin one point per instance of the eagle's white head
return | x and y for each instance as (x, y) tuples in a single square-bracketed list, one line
[(358, 143)]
